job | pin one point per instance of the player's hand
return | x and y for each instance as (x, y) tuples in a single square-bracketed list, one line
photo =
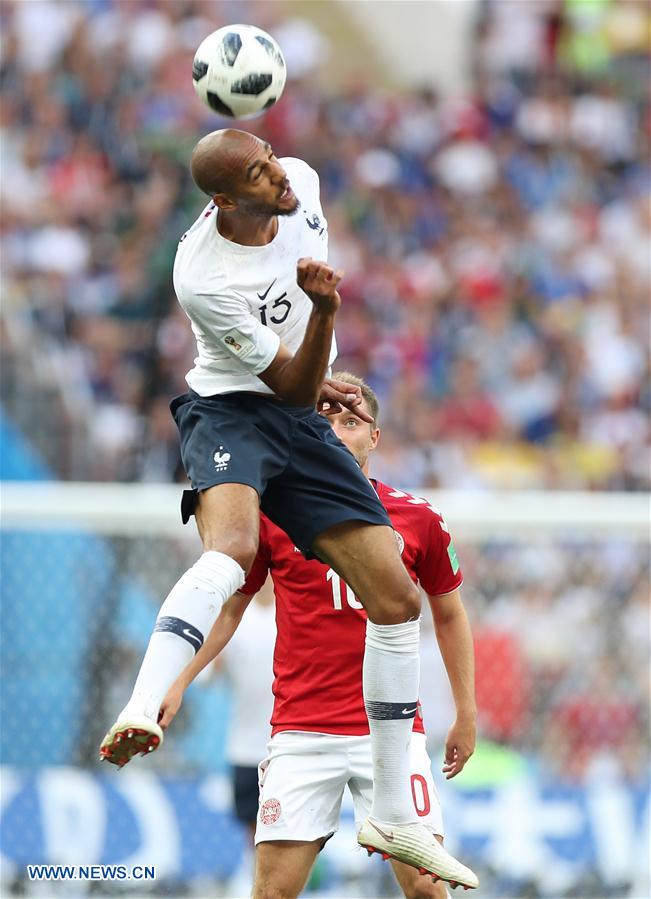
[(319, 281), (459, 746), (170, 705), (337, 394)]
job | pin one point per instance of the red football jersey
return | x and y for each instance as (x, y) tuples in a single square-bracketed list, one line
[(322, 626)]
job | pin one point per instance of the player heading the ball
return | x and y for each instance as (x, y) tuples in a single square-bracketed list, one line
[(252, 268)]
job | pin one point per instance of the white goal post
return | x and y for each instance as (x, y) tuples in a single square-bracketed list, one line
[(153, 510)]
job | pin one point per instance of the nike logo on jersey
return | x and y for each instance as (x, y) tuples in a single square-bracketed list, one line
[(263, 296), (386, 836), (410, 711)]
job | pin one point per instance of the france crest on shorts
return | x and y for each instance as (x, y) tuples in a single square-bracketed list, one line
[(221, 459)]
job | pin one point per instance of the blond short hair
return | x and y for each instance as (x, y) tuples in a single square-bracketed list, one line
[(367, 392)]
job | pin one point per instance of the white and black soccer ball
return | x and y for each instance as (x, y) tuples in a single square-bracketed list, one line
[(239, 71)]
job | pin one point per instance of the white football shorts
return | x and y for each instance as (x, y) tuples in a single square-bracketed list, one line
[(303, 777)]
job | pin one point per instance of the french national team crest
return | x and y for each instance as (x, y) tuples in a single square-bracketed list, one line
[(314, 224), (270, 811), (221, 459)]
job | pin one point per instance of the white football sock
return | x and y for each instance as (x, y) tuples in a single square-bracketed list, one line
[(391, 678), (184, 620)]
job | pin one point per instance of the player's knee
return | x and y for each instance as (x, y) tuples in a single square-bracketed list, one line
[(411, 602), (397, 606), (245, 550), (239, 545)]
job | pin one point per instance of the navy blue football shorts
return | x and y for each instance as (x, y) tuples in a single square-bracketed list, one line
[(306, 478)]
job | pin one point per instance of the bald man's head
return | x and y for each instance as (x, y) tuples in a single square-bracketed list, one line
[(219, 158), (242, 174)]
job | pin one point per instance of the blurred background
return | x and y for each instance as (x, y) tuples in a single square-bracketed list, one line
[(485, 174)]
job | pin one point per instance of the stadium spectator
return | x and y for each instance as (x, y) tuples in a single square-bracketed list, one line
[(513, 222)]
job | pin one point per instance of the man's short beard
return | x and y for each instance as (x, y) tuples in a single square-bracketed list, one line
[(266, 210), (361, 459)]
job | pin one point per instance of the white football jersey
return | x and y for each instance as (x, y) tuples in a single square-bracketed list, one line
[(243, 301)]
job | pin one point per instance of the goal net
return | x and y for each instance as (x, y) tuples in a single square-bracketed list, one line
[(555, 801)]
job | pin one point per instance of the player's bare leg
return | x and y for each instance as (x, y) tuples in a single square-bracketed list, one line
[(282, 868), (228, 520), (418, 886), (367, 558)]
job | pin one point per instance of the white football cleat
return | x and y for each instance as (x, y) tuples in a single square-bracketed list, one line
[(129, 736), (417, 846)]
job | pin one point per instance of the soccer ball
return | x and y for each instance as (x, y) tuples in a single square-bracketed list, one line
[(239, 71)]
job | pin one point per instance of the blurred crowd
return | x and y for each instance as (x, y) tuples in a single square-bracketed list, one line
[(562, 647), (495, 244)]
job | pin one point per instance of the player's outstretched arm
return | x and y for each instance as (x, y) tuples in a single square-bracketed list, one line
[(220, 634), (455, 642), (299, 378)]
